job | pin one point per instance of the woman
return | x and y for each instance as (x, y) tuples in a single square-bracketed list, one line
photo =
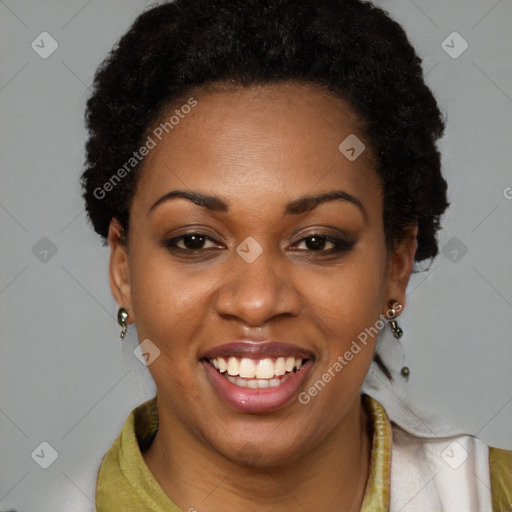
[(266, 175)]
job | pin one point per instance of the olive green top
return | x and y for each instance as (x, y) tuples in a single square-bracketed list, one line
[(126, 483)]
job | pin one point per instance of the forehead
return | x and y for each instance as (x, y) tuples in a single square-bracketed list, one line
[(258, 141)]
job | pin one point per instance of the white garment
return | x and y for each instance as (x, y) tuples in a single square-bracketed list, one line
[(441, 475), (434, 466)]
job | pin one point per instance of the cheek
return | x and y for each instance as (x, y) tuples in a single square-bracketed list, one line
[(349, 299), (166, 299), (349, 315), (348, 312)]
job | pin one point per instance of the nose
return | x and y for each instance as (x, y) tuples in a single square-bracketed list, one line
[(256, 292)]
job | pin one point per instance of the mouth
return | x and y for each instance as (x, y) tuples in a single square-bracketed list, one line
[(257, 377), (257, 373)]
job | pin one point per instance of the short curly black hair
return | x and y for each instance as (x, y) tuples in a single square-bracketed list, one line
[(350, 47)]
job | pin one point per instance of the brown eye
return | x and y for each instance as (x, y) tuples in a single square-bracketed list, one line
[(190, 242), (193, 242), (325, 244), (316, 243)]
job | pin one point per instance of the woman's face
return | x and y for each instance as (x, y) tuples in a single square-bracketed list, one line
[(276, 256)]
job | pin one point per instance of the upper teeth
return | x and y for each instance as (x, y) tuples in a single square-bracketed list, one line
[(256, 368)]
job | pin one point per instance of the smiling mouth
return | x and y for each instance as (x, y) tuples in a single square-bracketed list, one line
[(269, 372)]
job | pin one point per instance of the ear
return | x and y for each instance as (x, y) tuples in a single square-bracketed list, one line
[(401, 261), (119, 268)]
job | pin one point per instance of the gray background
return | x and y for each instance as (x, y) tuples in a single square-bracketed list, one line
[(65, 377)]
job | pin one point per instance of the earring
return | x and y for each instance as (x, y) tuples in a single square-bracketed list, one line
[(396, 330), (122, 315)]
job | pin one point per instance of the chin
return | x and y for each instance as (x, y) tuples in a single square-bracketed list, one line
[(265, 449)]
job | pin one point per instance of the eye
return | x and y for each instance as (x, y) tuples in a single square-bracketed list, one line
[(191, 242), (324, 244)]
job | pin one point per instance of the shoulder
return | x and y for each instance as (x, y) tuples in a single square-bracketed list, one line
[(110, 479), (435, 466), (124, 481), (458, 472), (500, 465)]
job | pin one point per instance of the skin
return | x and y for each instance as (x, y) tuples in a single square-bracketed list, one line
[(258, 149)]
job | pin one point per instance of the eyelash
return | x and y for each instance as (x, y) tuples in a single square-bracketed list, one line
[(340, 245)]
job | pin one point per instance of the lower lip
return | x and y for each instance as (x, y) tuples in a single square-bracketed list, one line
[(256, 400)]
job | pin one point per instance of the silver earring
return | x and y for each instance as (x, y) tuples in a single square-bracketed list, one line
[(122, 315), (396, 330)]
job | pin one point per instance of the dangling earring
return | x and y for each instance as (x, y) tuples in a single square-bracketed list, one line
[(396, 330), (122, 315)]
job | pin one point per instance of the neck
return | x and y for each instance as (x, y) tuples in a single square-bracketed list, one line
[(333, 473)]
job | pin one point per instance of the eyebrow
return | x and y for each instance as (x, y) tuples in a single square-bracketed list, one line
[(296, 207)]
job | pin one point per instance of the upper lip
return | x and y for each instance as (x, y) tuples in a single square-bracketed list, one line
[(257, 350)]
